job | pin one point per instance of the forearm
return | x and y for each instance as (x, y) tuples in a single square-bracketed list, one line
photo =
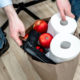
[(10, 11), (15, 31), (8, 8), (15, 24)]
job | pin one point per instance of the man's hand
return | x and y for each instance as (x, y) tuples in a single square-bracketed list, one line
[(16, 29), (15, 24), (64, 8)]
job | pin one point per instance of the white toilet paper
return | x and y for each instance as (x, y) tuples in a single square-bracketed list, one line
[(64, 47), (56, 25)]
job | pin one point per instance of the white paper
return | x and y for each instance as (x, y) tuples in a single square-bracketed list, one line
[(59, 54), (54, 26)]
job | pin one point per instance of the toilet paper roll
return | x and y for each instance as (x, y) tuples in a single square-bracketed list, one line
[(56, 25), (64, 47)]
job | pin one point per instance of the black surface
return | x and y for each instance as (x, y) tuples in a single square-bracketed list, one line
[(33, 38), (30, 44), (32, 51), (5, 48)]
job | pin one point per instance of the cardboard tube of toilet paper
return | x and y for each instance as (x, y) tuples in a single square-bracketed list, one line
[(64, 47), (56, 25)]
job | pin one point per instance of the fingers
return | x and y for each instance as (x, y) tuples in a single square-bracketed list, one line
[(22, 33), (16, 33), (70, 14), (65, 9), (66, 13), (62, 15), (17, 39)]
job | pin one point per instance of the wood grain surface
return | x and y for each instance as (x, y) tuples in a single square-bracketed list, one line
[(14, 64)]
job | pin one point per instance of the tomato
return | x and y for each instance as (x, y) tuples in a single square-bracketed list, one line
[(26, 36), (40, 26), (41, 50), (38, 47), (45, 40)]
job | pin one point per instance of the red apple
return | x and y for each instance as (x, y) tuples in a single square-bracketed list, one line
[(45, 40), (40, 26)]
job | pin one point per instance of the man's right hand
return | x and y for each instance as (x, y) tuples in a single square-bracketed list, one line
[(16, 26), (64, 8)]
